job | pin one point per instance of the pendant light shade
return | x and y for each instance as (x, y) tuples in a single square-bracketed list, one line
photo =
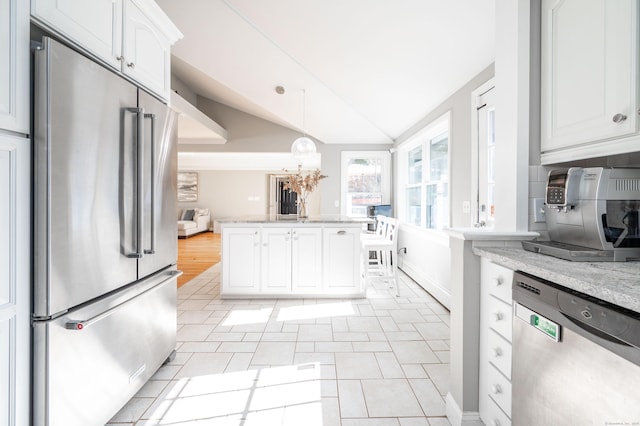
[(303, 147)]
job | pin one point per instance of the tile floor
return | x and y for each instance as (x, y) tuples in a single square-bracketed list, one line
[(379, 361)]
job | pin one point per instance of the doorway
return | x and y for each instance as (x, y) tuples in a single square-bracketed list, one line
[(483, 155)]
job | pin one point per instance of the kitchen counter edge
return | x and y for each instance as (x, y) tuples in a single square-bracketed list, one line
[(613, 282), (268, 219)]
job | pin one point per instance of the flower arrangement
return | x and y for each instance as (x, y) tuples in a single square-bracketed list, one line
[(303, 185)]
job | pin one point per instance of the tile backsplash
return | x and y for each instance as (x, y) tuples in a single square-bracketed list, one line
[(537, 185)]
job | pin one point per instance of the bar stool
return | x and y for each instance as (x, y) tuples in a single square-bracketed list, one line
[(385, 247)]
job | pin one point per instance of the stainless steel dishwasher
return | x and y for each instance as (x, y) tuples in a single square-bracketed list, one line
[(576, 359)]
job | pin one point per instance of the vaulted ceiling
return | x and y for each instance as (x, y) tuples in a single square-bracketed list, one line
[(369, 69)]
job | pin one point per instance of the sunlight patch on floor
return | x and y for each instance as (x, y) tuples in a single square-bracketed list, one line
[(289, 395), (244, 317), (320, 310)]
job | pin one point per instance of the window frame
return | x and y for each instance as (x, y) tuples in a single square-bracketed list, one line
[(424, 139), (346, 156)]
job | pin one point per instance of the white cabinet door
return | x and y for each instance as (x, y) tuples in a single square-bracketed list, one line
[(276, 260), (146, 51), (14, 67), (341, 255), (589, 71), (15, 279), (306, 260), (495, 343), (93, 25), (241, 260)]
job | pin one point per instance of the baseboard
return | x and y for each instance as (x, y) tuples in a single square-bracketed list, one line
[(459, 418), (440, 293)]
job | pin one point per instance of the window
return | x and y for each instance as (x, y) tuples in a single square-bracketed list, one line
[(365, 181), (424, 163)]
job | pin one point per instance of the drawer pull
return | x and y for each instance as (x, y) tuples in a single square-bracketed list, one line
[(496, 352), (499, 281), (619, 118), (497, 316), (495, 422), (496, 389), (341, 232)]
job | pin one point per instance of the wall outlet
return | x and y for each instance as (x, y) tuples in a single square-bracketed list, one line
[(466, 207), (538, 210), (336, 203)]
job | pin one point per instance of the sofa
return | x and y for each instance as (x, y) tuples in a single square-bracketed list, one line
[(193, 221)]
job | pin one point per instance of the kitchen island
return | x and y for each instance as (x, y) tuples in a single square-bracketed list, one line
[(286, 256)]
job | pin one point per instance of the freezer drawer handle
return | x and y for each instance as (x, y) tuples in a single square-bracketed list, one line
[(152, 172), (81, 325)]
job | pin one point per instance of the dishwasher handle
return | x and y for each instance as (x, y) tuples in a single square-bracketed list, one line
[(596, 332)]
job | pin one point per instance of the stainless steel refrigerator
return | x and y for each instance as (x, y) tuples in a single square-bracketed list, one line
[(105, 238)]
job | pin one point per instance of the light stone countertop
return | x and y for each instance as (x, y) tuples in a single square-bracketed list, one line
[(614, 282), (293, 219)]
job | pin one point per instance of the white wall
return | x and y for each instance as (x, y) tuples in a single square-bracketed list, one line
[(247, 133), (233, 193), (428, 259)]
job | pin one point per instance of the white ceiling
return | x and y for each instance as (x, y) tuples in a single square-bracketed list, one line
[(370, 68)]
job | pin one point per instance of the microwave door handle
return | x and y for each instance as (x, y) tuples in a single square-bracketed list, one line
[(152, 212)]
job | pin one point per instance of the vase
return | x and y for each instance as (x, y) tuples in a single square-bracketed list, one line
[(303, 206)]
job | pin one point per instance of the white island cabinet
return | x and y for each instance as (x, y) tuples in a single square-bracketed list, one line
[(291, 260), (241, 260), (341, 259), (266, 257)]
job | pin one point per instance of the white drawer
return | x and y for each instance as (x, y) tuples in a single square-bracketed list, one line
[(499, 389), (498, 279), (494, 416), (499, 353), (499, 316)]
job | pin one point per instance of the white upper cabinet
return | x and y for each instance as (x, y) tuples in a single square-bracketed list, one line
[(132, 36), (146, 50), (589, 78), (14, 67), (95, 25)]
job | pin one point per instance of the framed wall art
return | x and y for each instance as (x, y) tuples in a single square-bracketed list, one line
[(187, 187)]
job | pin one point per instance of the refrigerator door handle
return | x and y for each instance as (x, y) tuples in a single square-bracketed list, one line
[(152, 248), (139, 195), (79, 325)]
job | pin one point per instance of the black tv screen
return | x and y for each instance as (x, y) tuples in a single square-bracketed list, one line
[(381, 209)]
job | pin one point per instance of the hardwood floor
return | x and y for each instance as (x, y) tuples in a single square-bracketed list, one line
[(197, 254)]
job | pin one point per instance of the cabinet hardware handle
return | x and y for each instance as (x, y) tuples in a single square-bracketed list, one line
[(496, 352), (131, 65), (120, 58), (495, 422), (496, 389), (499, 280), (619, 118), (341, 232), (497, 316)]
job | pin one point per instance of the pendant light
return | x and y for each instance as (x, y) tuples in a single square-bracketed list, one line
[(303, 147)]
